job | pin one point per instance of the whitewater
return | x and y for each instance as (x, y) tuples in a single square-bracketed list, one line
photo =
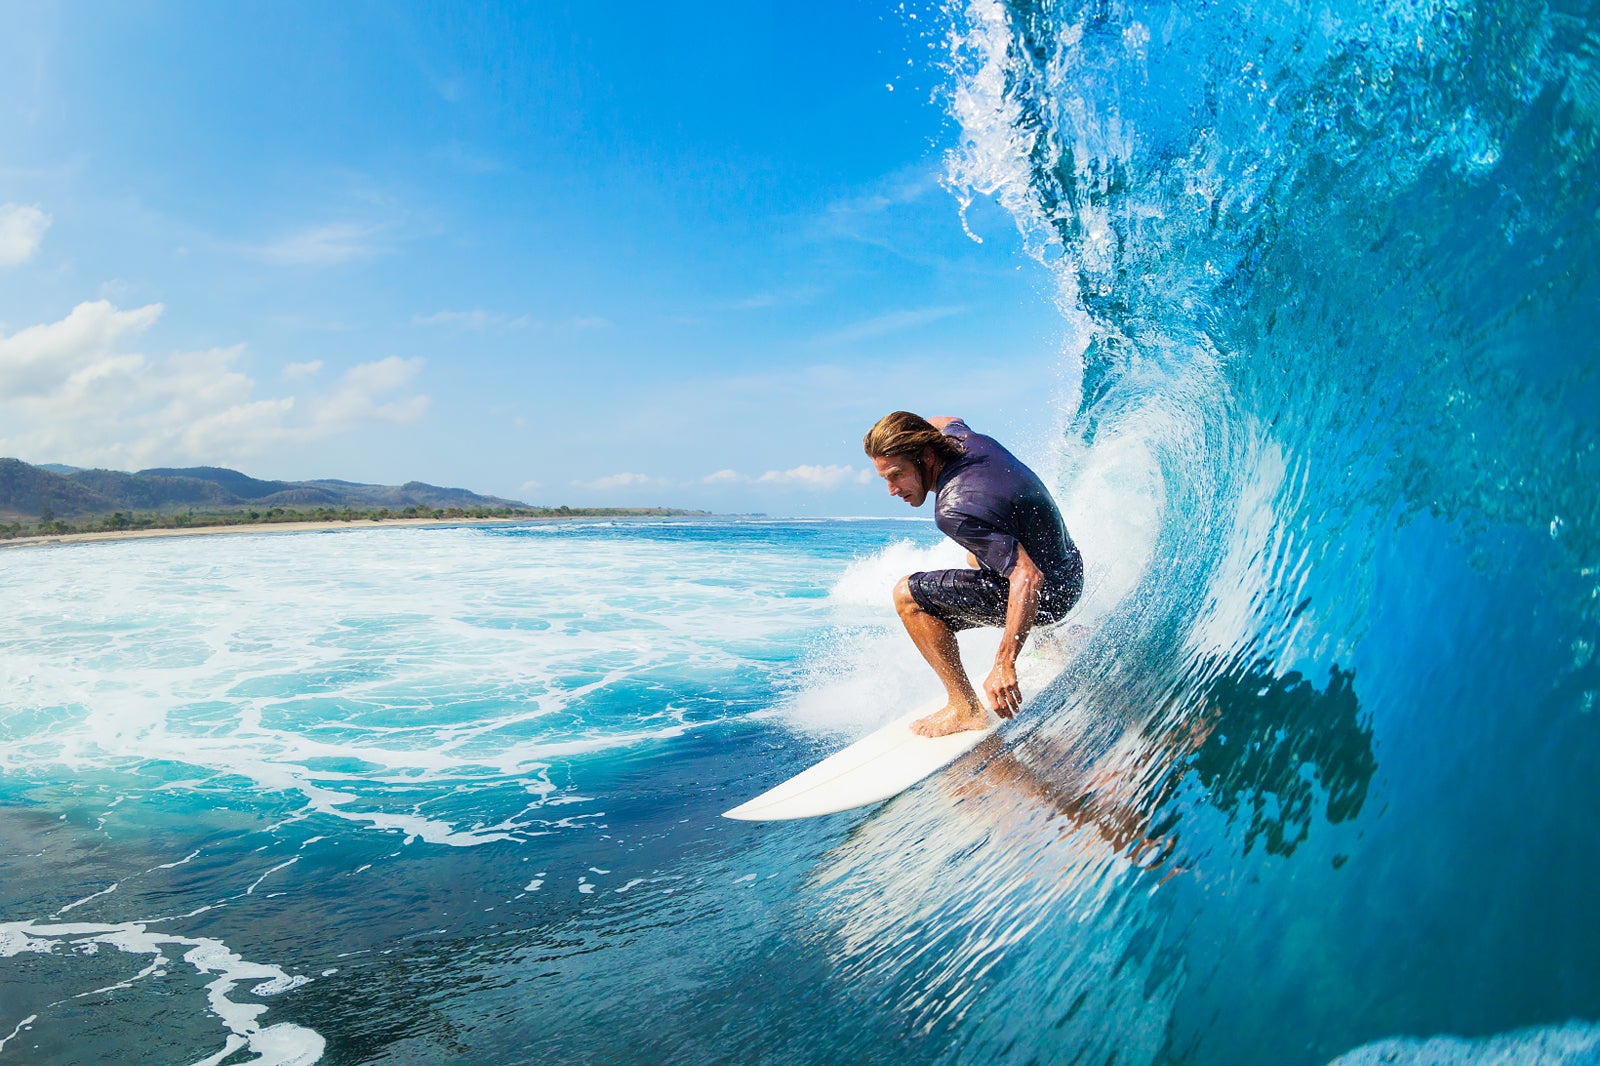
[(1315, 786)]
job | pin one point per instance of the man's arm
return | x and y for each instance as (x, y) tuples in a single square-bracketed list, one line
[(940, 422), (1021, 608)]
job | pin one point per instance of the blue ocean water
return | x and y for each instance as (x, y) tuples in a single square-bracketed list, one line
[(411, 779), (1316, 784)]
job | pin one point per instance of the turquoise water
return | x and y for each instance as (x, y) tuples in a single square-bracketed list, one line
[(396, 786), (1316, 784)]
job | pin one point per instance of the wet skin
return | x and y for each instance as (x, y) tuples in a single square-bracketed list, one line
[(912, 480)]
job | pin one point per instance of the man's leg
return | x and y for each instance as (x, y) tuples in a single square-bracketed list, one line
[(937, 643)]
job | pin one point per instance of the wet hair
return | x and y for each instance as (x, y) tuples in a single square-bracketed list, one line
[(905, 435)]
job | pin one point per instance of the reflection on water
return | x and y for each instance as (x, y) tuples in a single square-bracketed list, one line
[(1272, 750), (1048, 873)]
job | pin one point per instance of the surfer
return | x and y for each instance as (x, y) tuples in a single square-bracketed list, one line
[(1023, 569)]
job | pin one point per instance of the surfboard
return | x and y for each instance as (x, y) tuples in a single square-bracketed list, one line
[(886, 762), (880, 765)]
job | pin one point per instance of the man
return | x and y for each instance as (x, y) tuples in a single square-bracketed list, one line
[(1024, 568)]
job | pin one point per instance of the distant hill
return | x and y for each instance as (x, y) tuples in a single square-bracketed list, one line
[(27, 491)]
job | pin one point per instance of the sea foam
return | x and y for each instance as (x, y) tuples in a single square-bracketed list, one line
[(381, 675)]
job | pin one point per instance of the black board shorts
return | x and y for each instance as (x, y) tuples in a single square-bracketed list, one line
[(969, 599)]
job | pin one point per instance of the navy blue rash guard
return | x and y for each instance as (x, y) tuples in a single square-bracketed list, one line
[(988, 502)]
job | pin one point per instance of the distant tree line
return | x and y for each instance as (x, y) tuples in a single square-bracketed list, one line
[(119, 521)]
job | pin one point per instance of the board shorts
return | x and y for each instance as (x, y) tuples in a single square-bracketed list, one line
[(969, 599)]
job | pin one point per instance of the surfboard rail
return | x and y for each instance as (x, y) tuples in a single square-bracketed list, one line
[(877, 767)]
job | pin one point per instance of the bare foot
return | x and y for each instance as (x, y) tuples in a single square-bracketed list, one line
[(953, 719)]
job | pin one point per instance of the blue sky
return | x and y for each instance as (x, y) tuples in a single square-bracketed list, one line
[(567, 253)]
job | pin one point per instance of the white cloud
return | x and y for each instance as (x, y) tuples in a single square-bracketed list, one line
[(619, 481), (323, 245), (815, 477), (303, 370), (356, 399), (70, 391), (529, 486), (476, 319), (41, 359), (806, 476), (22, 227)]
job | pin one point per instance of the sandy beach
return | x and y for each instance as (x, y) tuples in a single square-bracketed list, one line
[(257, 527)]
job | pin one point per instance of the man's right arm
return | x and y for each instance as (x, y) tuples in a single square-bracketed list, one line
[(940, 422)]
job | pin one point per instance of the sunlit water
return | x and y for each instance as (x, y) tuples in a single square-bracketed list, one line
[(369, 771), (1315, 784)]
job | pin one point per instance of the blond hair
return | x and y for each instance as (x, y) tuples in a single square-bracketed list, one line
[(902, 434)]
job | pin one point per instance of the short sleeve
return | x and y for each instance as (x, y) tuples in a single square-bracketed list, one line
[(995, 548)]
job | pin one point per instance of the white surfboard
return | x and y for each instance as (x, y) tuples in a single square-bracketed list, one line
[(890, 760), (874, 768)]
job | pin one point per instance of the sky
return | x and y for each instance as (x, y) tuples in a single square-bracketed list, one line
[(565, 253)]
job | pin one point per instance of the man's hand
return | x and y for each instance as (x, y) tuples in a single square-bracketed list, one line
[(1001, 687), (1022, 605)]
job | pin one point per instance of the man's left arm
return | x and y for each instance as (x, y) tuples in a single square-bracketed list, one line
[(1027, 580)]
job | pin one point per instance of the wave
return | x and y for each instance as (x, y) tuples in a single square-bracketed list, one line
[(1319, 770), (1328, 274), (434, 684)]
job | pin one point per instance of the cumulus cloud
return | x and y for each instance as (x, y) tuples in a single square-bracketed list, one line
[(22, 228), (303, 370), (359, 397), (42, 359), (72, 391), (725, 477)]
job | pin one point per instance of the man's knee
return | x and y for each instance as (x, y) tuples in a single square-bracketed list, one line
[(904, 602)]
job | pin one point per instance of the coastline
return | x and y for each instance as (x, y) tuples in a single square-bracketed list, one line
[(48, 540)]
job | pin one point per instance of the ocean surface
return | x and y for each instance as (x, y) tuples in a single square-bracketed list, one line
[(1317, 783)]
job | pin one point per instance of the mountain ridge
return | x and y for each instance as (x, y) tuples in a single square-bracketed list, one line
[(27, 492)]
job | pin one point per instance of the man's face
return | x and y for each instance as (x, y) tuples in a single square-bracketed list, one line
[(903, 477)]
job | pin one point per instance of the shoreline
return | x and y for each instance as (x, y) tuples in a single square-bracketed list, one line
[(52, 539)]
